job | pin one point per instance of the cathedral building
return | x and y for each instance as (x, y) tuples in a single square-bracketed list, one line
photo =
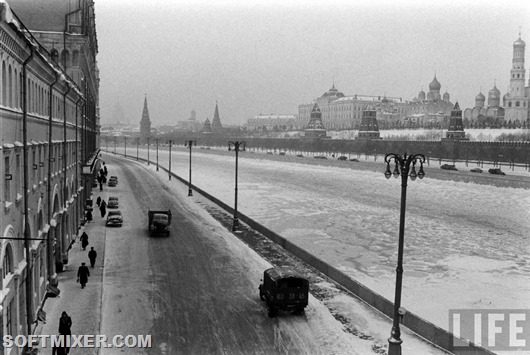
[(431, 109), (485, 116)]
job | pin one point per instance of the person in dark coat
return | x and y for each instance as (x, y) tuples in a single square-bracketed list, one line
[(103, 208), (92, 254), (98, 201), (65, 324), (82, 275), (105, 171), (88, 214), (84, 240), (65, 329)]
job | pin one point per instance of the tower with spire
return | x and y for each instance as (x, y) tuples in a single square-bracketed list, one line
[(369, 128), (216, 121), (517, 100), (456, 126), (145, 124), (315, 127)]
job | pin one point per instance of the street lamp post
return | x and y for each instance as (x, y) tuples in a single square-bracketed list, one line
[(147, 150), (237, 146), (157, 154), (402, 167), (170, 160), (189, 144)]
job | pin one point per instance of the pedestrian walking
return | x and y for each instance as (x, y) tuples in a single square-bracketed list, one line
[(82, 275), (103, 208), (98, 201), (84, 240), (105, 171), (88, 214), (59, 350), (65, 324), (92, 255)]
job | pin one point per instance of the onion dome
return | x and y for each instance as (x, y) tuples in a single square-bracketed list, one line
[(421, 95), (480, 97), (435, 85), (494, 93), (446, 96)]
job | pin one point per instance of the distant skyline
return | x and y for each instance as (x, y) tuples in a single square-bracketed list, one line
[(268, 57)]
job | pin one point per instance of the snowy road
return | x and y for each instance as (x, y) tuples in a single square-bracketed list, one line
[(196, 291), (466, 245)]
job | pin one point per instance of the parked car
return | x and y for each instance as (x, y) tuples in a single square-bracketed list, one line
[(282, 153), (342, 157), (496, 171), (320, 157), (113, 202), (114, 218), (299, 155), (112, 183), (476, 170), (448, 167), (354, 160), (284, 289)]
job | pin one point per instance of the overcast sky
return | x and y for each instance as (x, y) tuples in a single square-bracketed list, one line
[(270, 56)]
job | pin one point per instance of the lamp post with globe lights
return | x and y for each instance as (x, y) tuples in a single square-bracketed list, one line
[(190, 143), (236, 146), (402, 166)]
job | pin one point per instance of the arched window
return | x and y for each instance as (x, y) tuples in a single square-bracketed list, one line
[(11, 88), (4, 83), (7, 264), (15, 81), (65, 58), (75, 58)]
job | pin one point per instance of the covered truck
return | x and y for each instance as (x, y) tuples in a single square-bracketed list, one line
[(159, 222)]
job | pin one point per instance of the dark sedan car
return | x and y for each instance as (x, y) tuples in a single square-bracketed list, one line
[(448, 167), (114, 218), (113, 202), (496, 171)]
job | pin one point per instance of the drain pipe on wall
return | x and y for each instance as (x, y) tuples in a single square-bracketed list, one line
[(52, 276), (27, 236)]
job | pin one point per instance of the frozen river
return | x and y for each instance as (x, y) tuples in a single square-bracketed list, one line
[(466, 245)]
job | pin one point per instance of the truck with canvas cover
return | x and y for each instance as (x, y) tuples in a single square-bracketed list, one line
[(159, 222)]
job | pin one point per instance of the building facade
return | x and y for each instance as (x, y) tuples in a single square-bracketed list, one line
[(340, 112), (48, 133), (271, 122)]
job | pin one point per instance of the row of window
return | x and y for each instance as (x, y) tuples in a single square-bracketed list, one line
[(38, 94), (37, 166)]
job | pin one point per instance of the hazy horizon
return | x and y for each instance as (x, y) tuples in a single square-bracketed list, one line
[(269, 57)]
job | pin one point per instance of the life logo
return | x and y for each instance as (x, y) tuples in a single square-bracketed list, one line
[(493, 329)]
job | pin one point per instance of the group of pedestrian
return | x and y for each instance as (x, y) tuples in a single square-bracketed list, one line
[(102, 206), (102, 176), (83, 272)]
